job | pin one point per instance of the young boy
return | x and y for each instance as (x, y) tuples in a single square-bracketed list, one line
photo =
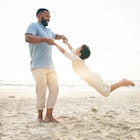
[(93, 79)]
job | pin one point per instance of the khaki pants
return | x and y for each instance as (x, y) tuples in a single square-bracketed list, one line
[(94, 80), (45, 79)]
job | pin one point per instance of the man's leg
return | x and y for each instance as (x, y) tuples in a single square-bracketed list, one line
[(49, 116), (40, 116), (52, 97), (40, 80)]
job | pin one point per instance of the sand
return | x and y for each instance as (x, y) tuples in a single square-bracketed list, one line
[(83, 114)]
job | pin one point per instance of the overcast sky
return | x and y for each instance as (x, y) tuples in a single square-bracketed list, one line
[(110, 27)]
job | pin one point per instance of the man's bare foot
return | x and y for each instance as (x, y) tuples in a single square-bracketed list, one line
[(126, 82), (39, 121), (50, 119)]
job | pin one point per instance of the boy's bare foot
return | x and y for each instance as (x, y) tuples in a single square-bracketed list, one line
[(126, 82), (50, 119)]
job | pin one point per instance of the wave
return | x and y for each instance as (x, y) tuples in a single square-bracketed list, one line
[(29, 85)]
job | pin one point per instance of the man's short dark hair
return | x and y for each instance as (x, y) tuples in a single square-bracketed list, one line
[(41, 10), (85, 52)]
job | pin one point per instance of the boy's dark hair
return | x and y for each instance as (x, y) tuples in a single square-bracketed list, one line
[(41, 10), (85, 52)]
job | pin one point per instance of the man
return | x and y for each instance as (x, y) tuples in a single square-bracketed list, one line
[(40, 41)]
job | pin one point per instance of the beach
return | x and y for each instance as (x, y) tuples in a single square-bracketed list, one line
[(83, 114)]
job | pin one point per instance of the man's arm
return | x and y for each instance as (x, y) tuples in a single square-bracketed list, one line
[(35, 39), (58, 37), (60, 48)]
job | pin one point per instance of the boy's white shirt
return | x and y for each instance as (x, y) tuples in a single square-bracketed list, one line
[(78, 64)]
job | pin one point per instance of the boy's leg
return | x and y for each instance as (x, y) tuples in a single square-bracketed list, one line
[(121, 83), (95, 81)]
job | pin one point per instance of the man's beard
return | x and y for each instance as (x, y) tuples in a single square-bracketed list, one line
[(43, 22)]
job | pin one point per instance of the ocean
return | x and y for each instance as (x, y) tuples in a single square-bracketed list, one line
[(30, 85)]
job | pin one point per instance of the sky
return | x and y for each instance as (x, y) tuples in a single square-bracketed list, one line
[(110, 27)]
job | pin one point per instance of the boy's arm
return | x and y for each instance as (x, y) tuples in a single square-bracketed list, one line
[(60, 48), (67, 43), (68, 55)]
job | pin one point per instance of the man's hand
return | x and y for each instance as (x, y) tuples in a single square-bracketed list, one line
[(58, 37), (64, 38), (50, 41)]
